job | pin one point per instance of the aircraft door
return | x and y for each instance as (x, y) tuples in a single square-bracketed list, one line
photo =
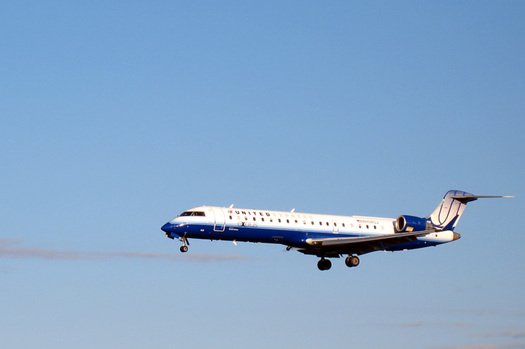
[(219, 220)]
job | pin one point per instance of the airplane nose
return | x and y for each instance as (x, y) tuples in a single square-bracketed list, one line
[(166, 227)]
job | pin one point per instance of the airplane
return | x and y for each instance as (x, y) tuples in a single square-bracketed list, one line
[(325, 236)]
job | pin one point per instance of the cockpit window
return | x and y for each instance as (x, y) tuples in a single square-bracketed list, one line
[(192, 213)]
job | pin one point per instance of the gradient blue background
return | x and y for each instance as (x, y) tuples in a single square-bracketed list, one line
[(117, 116)]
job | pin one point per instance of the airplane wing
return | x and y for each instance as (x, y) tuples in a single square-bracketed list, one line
[(360, 244)]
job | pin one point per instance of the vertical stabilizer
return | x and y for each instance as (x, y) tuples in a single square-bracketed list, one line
[(447, 214)]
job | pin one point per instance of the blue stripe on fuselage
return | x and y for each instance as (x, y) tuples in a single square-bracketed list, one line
[(291, 237)]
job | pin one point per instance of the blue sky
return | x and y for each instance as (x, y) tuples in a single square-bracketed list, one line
[(115, 118)]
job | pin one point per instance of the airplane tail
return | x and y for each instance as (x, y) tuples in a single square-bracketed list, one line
[(447, 214)]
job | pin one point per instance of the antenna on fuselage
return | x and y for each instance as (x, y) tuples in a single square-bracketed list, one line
[(293, 210), (231, 206)]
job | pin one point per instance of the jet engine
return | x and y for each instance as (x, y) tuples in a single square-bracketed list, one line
[(411, 223)]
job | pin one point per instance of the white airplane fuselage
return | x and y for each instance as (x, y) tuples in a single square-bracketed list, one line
[(288, 228)]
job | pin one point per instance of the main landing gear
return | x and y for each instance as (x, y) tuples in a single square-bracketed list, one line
[(350, 261), (324, 264)]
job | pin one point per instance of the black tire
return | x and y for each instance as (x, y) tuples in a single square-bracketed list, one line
[(324, 264), (352, 261)]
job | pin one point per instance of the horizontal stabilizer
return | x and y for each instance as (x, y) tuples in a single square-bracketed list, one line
[(469, 198)]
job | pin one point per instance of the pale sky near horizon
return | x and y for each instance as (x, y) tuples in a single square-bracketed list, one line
[(115, 118)]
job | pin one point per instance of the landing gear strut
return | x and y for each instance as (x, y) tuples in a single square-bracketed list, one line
[(324, 264), (352, 261), (185, 243)]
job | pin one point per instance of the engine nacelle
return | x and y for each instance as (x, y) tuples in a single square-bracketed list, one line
[(411, 223)]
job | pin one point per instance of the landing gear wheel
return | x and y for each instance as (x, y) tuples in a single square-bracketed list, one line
[(352, 261), (185, 243), (324, 264)]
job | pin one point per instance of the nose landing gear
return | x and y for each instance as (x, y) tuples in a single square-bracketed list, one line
[(185, 243)]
